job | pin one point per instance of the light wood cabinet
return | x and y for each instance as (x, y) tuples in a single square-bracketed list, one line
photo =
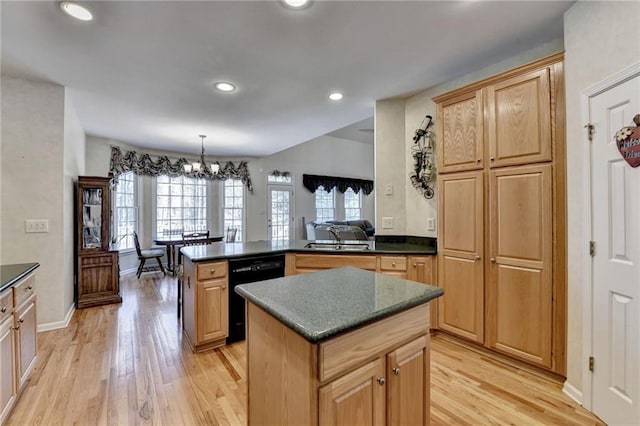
[(460, 125), (374, 375), (502, 238), (8, 388), (461, 212), (519, 119), (393, 265), (205, 303), (520, 284), (18, 341)]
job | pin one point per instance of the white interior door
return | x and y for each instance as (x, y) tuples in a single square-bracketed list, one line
[(615, 199), (280, 219)]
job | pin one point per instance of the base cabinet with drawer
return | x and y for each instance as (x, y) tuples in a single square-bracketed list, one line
[(18, 341), (205, 303), (374, 375)]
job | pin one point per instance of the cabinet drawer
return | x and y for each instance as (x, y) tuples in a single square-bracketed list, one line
[(393, 263), (6, 304), (24, 290), (343, 353), (207, 271), (319, 261)]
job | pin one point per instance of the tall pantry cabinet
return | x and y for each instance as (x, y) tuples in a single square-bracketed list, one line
[(502, 210)]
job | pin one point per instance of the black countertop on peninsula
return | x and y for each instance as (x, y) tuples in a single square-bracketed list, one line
[(221, 250), (322, 304), (12, 274)]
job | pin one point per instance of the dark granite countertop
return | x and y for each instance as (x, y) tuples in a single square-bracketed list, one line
[(323, 304), (12, 274), (231, 250)]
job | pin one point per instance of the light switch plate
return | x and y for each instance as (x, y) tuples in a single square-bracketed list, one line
[(388, 189), (387, 223), (431, 224), (36, 225)]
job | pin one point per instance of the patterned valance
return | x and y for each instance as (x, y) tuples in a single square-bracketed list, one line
[(312, 182), (142, 164)]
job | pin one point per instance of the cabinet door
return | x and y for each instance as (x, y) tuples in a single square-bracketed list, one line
[(393, 265), (519, 114), (461, 242), (519, 315), (422, 270), (408, 388), (8, 387), (357, 398), (460, 133), (26, 340), (212, 310), (98, 280)]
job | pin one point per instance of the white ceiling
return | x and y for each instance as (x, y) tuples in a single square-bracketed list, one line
[(142, 71)]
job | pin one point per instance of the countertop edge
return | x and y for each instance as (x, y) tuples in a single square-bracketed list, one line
[(32, 267), (319, 337)]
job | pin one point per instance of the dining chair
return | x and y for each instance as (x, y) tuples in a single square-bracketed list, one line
[(146, 254), (231, 235)]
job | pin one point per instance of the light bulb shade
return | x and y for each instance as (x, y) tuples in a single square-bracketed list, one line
[(215, 168), (187, 168), (196, 167)]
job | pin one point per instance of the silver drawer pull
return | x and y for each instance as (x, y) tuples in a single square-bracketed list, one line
[(396, 371), (381, 380), (3, 309), (30, 287)]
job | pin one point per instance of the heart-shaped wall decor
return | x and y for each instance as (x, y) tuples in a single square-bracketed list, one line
[(628, 142)]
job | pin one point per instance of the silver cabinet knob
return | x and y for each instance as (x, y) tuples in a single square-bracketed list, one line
[(381, 380), (3, 310), (493, 260), (396, 371), (477, 257), (478, 160), (21, 320), (492, 158), (393, 264), (30, 287)]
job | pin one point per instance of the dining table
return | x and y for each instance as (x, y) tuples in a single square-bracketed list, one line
[(173, 242)]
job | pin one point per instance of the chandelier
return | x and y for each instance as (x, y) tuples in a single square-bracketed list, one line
[(200, 169)]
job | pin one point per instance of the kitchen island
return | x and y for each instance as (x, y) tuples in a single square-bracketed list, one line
[(339, 346)]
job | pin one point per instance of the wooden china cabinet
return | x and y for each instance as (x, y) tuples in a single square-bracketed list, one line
[(97, 270)]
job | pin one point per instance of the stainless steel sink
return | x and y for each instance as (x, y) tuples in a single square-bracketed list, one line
[(338, 246)]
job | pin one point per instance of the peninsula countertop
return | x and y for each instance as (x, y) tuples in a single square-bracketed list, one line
[(11, 274), (323, 304), (221, 250)]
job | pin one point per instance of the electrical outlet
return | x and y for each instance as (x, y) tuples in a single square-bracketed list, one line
[(36, 225), (388, 189), (431, 224), (387, 223)]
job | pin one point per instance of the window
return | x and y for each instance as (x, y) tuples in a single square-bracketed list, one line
[(126, 211), (181, 205), (352, 205), (233, 206), (271, 178), (325, 205)]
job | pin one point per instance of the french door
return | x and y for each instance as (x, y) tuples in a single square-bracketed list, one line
[(280, 219)]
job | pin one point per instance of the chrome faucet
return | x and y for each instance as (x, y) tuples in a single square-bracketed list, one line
[(335, 233)]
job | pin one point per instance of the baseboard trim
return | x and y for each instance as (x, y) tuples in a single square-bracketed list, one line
[(58, 324), (128, 272), (572, 392)]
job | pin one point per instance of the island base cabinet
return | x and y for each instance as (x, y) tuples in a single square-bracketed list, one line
[(350, 379)]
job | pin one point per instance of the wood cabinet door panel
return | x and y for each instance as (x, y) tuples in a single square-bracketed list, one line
[(519, 114), (8, 387), (460, 133), (26, 340), (408, 384), (212, 311), (461, 263), (520, 291), (357, 398)]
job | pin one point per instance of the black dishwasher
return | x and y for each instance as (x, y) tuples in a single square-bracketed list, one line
[(248, 270)]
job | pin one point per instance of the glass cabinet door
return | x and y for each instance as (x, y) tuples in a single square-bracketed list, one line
[(91, 218)]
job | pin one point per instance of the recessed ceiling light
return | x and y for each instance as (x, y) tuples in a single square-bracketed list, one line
[(76, 11), (225, 86), (336, 96), (296, 4)]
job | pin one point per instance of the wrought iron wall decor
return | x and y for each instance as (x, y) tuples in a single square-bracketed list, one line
[(142, 164), (424, 169)]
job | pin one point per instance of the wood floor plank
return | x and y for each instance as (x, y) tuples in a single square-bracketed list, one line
[(128, 364)]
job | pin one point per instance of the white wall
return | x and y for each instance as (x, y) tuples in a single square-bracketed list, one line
[(33, 138), (601, 38)]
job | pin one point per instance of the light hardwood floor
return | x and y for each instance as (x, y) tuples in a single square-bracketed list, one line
[(128, 364)]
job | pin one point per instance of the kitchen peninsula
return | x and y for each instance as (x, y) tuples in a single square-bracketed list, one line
[(342, 346)]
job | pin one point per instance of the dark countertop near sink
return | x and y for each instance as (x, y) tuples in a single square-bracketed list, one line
[(216, 251), (12, 274), (322, 304)]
